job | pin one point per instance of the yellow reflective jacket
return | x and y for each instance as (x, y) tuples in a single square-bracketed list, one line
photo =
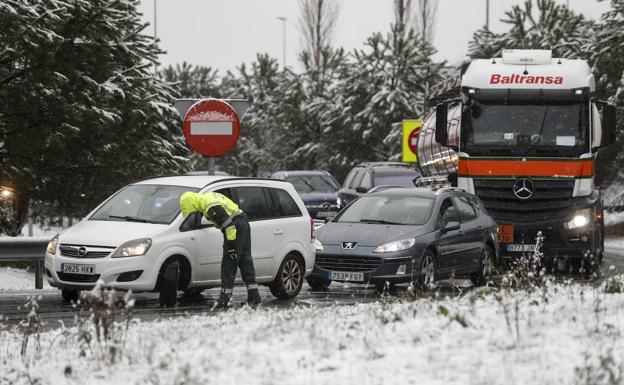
[(191, 202)]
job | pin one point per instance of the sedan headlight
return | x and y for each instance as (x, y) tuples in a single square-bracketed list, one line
[(318, 246), (133, 248), (390, 247), (52, 245), (581, 218), (339, 202)]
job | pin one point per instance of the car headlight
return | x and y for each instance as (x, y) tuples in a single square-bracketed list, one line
[(52, 245), (339, 202), (395, 246), (318, 246), (581, 218), (133, 248)]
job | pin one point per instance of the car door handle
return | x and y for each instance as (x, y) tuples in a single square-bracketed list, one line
[(278, 232)]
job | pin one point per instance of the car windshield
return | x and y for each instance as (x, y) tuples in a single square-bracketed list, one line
[(388, 210), (403, 180), (526, 129), (313, 183), (143, 203)]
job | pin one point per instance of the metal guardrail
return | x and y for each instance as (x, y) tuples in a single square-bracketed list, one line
[(30, 249)]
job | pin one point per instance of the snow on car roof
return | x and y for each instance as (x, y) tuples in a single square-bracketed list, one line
[(196, 181)]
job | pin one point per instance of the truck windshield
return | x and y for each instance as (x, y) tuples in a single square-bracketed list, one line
[(525, 128)]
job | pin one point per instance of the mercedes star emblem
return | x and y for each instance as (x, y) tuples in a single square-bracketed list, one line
[(524, 188), (326, 206), (349, 245)]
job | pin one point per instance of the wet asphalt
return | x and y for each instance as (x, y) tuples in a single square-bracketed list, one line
[(55, 313)]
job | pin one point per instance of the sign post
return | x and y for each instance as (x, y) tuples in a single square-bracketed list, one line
[(411, 129), (211, 128)]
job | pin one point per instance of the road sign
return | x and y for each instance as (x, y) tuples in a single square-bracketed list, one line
[(211, 127), (411, 128)]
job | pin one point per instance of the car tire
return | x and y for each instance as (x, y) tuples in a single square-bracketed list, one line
[(428, 270), (289, 278), (70, 295), (318, 284), (486, 265), (169, 287)]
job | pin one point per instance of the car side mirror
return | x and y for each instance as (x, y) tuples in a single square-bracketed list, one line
[(451, 226), (607, 123), (441, 132), (362, 190)]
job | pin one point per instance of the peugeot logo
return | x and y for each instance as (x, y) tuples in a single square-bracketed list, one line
[(82, 251), (326, 206), (524, 188), (349, 245)]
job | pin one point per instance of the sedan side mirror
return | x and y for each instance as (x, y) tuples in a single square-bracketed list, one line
[(451, 226)]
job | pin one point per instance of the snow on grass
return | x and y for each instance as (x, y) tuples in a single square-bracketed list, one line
[(18, 279), (561, 334)]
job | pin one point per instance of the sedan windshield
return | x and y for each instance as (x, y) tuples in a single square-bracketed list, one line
[(313, 183), (388, 210), (143, 203), (526, 129)]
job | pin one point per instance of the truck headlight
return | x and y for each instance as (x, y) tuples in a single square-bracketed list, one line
[(581, 218), (318, 246), (133, 248), (52, 245), (390, 247)]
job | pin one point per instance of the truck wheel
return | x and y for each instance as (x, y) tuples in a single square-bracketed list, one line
[(486, 265), (169, 288), (318, 284), (289, 279), (70, 295)]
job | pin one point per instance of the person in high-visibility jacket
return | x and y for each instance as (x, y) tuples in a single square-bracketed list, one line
[(227, 216)]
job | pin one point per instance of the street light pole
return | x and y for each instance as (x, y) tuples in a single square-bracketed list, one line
[(283, 20), (155, 35), (487, 14)]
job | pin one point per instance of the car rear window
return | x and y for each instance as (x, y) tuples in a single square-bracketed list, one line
[(285, 204), (388, 210)]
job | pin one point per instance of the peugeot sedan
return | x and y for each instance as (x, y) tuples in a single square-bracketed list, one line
[(407, 235)]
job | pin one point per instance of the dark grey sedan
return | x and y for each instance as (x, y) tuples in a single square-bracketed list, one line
[(407, 235)]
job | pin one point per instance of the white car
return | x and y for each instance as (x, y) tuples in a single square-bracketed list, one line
[(131, 239)]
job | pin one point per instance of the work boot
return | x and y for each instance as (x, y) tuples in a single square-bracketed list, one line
[(225, 300), (253, 297)]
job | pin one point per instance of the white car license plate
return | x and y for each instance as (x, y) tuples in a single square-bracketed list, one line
[(326, 213), (74, 268), (520, 247), (346, 276)]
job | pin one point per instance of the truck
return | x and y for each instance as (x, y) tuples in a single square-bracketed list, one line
[(521, 132)]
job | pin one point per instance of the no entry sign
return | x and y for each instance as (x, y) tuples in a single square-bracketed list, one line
[(211, 127), (411, 128)]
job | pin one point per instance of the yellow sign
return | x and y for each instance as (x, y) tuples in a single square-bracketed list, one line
[(411, 128)]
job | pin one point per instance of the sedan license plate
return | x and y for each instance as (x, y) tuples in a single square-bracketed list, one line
[(323, 214), (74, 268), (346, 276), (520, 247)]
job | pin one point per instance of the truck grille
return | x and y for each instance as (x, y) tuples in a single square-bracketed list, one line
[(73, 251), (550, 201), (84, 278), (347, 263)]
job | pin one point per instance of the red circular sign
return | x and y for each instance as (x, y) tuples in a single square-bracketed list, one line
[(412, 139), (211, 127)]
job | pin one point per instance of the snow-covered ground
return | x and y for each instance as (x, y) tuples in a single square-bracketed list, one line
[(560, 334), (18, 279)]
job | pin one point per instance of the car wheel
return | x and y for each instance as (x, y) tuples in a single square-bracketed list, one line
[(428, 270), (318, 284), (169, 287), (486, 265), (70, 295), (289, 279)]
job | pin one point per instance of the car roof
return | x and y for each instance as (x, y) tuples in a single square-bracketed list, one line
[(198, 181), (396, 171), (420, 192), (302, 172)]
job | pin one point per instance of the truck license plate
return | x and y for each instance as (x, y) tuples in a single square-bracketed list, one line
[(74, 268), (346, 276), (520, 247)]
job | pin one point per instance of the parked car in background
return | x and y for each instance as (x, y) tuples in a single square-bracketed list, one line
[(318, 190), (366, 176), (407, 235), (132, 238)]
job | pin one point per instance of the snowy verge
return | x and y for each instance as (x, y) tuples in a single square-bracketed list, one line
[(560, 334), (18, 279)]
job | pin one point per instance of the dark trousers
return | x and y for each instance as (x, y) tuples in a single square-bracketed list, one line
[(242, 245)]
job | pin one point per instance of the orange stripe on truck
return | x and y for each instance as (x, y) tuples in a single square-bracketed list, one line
[(537, 168)]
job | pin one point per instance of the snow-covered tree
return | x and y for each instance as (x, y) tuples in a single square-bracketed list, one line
[(82, 112), (193, 81)]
